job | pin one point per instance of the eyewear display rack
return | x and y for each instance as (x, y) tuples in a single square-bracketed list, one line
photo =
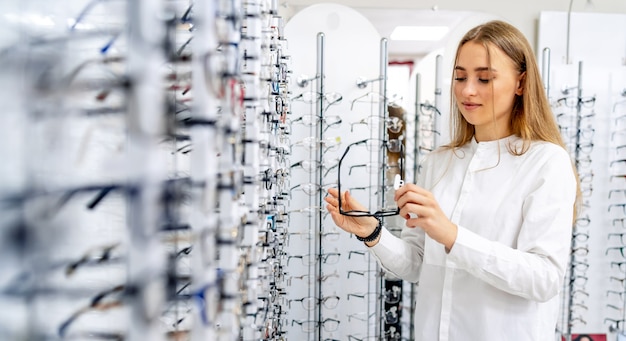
[(337, 290), (616, 295), (585, 88), (577, 132), (144, 194), (579, 118), (615, 316), (307, 252)]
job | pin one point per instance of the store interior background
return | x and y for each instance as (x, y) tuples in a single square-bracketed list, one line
[(574, 41), (459, 16), (285, 278)]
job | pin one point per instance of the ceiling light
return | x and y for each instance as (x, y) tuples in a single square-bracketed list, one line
[(423, 33)]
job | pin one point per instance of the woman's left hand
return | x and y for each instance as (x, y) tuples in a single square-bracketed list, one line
[(420, 209)]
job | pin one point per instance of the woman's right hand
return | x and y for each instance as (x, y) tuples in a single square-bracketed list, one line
[(360, 226)]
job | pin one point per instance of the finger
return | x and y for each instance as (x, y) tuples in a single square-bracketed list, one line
[(334, 192), (413, 211), (409, 187), (332, 201), (347, 201), (413, 223), (401, 191), (331, 209), (412, 198), (417, 195), (352, 203), (334, 214)]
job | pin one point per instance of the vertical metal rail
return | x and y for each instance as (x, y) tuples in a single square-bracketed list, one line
[(382, 109), (545, 70), (382, 157), (384, 62), (416, 138), (569, 28), (320, 178), (438, 93), (383, 114), (570, 297), (416, 134)]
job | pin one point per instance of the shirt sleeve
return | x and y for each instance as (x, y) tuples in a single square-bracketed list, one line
[(403, 256), (535, 268)]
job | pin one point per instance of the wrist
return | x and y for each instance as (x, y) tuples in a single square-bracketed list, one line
[(452, 238), (367, 229), (375, 241), (374, 235)]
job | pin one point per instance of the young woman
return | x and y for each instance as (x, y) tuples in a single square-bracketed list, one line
[(489, 224)]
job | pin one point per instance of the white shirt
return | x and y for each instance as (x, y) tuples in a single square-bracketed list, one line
[(502, 278)]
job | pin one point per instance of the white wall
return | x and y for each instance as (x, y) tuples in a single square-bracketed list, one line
[(523, 14)]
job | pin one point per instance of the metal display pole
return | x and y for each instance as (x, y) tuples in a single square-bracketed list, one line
[(415, 177), (416, 134), (545, 70), (570, 298), (438, 93), (320, 178)]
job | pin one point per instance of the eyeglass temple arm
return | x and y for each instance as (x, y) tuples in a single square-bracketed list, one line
[(364, 95), (339, 176)]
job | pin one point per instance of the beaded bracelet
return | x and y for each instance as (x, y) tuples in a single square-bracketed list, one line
[(372, 237)]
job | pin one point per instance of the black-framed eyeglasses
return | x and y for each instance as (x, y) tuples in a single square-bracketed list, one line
[(385, 212), (622, 205), (620, 236), (621, 250), (580, 266)]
